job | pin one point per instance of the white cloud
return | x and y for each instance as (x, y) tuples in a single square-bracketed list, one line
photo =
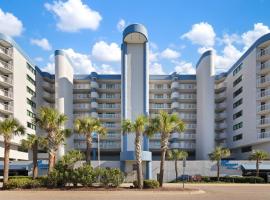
[(156, 68), (106, 69), (153, 56), (121, 25), (42, 43), (102, 51), (183, 67), (10, 24), (38, 59), (169, 54), (202, 34), (49, 68), (73, 15), (249, 37)]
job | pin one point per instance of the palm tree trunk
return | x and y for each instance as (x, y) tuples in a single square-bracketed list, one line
[(88, 148), (218, 165), (176, 170), (164, 147), (35, 166), (138, 152), (257, 168), (6, 162)]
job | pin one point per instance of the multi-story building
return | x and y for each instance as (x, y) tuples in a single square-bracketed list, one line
[(230, 109)]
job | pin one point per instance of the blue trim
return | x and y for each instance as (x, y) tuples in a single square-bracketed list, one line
[(135, 28), (63, 53), (205, 54), (148, 174), (130, 155), (94, 152), (122, 166), (124, 51)]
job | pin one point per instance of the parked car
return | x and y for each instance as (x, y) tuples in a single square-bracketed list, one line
[(184, 177)]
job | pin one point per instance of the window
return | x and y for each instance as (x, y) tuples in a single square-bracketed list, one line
[(30, 125), (31, 69), (237, 126), (238, 114), (237, 103), (31, 80), (237, 92), (30, 91), (246, 149), (31, 103), (158, 96), (238, 137), (238, 80), (237, 69), (31, 114)]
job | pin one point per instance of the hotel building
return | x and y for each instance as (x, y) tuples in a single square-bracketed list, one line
[(230, 109)]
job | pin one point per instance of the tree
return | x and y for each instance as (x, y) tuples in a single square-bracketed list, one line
[(139, 127), (177, 154), (51, 121), (87, 126), (166, 124), (32, 143), (217, 155), (258, 155), (8, 128)]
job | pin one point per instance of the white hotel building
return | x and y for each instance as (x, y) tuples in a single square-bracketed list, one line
[(231, 109)]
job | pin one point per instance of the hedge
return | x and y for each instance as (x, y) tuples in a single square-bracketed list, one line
[(147, 184), (234, 179), (24, 183)]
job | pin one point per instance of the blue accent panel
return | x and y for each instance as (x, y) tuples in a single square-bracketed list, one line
[(145, 143), (135, 28), (125, 141), (63, 53), (94, 154), (45, 74), (130, 155), (122, 166), (205, 54), (148, 170)]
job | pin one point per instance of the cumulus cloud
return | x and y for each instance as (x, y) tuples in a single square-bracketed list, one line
[(184, 67), (202, 34), (107, 69), (156, 68), (38, 59), (105, 52), (73, 15), (10, 24), (170, 54), (42, 43), (121, 25)]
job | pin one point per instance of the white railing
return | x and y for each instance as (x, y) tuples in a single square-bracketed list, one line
[(109, 116), (264, 93), (187, 96), (221, 115), (220, 85), (81, 96), (94, 84), (221, 126), (6, 51), (108, 106), (263, 121), (81, 106), (175, 95), (263, 80), (263, 135), (182, 145), (6, 107), (175, 84), (160, 106), (265, 65), (263, 107), (221, 95), (221, 135), (110, 87), (5, 65), (263, 52), (6, 79), (221, 105), (81, 86), (6, 93)]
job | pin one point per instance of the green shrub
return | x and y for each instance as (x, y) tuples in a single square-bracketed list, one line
[(150, 184), (86, 175), (110, 177), (23, 183), (135, 183), (234, 179)]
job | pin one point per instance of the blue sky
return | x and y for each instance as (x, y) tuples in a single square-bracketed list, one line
[(90, 31)]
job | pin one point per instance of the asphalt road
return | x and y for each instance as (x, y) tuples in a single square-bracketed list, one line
[(211, 192)]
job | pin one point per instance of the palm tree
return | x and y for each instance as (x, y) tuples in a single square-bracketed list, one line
[(165, 124), (217, 155), (33, 142), (177, 154), (87, 126), (139, 126), (8, 128), (258, 155), (50, 120)]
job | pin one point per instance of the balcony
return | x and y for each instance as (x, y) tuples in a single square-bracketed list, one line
[(183, 136), (175, 105), (263, 109), (6, 95), (220, 86), (79, 86), (48, 86), (105, 116), (6, 81), (175, 85), (190, 126), (94, 84), (49, 97), (159, 88), (263, 82), (221, 136), (263, 68), (6, 53), (154, 145), (160, 106), (221, 126), (5, 67), (183, 145), (220, 107), (6, 108), (111, 98), (263, 123), (263, 135), (220, 97), (103, 146), (156, 136), (81, 115), (109, 106), (112, 126), (263, 54), (187, 97), (81, 97), (175, 95), (221, 116), (94, 94), (187, 117), (81, 107), (263, 95)]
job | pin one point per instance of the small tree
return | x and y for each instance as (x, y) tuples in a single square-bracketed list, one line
[(217, 155), (32, 143), (87, 126), (8, 128), (176, 154), (258, 155)]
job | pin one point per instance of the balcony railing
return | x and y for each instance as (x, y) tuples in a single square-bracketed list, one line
[(262, 108), (5, 65), (263, 52), (263, 80), (264, 121), (6, 107), (109, 116), (263, 135), (263, 66), (6, 93), (109, 106), (6, 51), (263, 94), (6, 79)]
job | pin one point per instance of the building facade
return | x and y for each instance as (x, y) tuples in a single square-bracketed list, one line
[(230, 109)]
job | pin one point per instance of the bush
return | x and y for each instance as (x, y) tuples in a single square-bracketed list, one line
[(234, 179), (86, 175), (23, 183), (147, 184), (150, 184), (111, 177)]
